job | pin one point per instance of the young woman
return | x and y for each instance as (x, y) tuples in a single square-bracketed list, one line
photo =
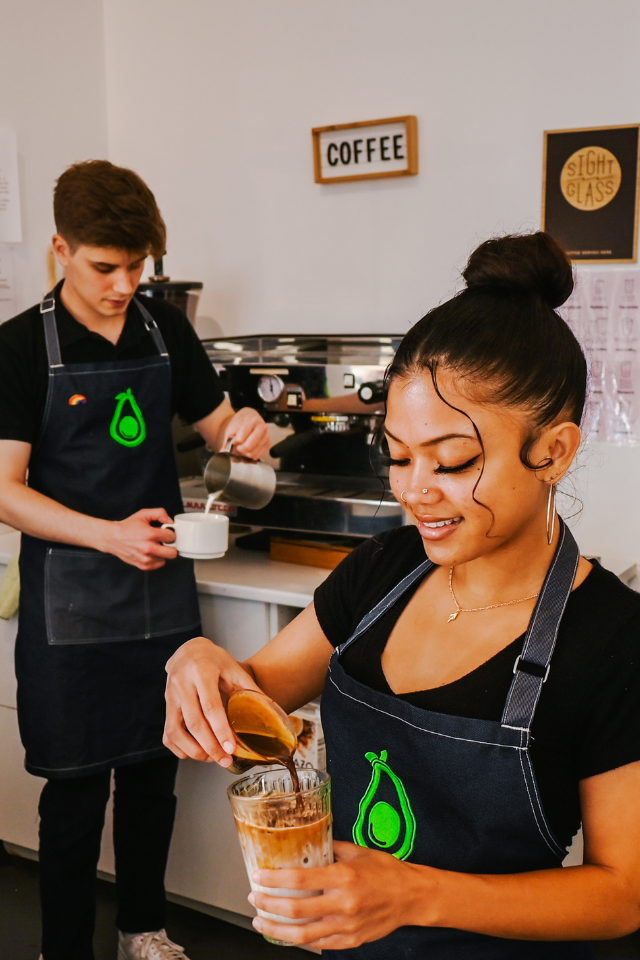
[(488, 693)]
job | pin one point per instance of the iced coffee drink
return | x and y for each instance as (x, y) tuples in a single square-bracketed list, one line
[(279, 828)]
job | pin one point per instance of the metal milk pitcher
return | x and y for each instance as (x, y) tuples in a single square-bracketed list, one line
[(238, 480)]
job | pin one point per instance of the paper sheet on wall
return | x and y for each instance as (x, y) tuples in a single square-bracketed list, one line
[(604, 314), (7, 285), (10, 219)]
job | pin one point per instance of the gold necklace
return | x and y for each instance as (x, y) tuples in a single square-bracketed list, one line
[(491, 606)]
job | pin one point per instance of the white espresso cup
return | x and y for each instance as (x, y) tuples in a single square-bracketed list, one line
[(200, 536)]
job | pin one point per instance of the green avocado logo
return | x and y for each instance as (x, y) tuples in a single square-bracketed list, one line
[(128, 426), (386, 825)]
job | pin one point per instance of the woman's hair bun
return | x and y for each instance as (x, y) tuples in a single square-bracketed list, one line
[(532, 264)]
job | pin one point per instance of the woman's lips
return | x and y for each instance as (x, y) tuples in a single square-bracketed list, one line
[(432, 529)]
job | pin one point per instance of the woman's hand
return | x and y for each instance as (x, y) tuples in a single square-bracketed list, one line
[(367, 894), (199, 675)]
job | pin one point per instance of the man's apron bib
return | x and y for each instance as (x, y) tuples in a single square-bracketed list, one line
[(94, 632), (449, 792)]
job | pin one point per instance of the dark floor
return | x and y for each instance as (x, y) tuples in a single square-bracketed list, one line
[(203, 937)]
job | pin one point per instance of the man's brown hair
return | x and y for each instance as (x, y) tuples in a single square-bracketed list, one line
[(100, 205)]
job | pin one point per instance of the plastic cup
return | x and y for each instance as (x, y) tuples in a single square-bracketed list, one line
[(279, 829)]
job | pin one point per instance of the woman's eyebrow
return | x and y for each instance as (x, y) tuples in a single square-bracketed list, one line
[(435, 440)]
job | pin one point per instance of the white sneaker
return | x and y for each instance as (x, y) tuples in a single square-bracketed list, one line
[(154, 945)]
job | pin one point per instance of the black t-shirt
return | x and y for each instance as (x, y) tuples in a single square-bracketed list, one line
[(588, 715), (195, 387)]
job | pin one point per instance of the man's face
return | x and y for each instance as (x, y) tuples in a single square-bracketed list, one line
[(103, 278)]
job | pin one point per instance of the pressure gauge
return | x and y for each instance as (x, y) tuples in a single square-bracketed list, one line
[(270, 389), (372, 392)]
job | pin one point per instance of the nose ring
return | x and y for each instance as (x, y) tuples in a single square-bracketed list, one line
[(425, 490)]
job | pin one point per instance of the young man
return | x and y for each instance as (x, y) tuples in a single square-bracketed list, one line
[(89, 382)]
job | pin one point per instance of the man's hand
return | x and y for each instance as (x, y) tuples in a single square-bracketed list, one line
[(249, 432), (200, 674), (248, 429), (136, 542), (133, 540)]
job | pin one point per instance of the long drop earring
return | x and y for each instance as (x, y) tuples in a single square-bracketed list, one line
[(551, 513)]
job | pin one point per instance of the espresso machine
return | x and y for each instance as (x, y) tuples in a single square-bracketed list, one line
[(324, 396)]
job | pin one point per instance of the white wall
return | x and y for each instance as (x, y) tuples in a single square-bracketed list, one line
[(606, 478), (53, 96), (213, 103)]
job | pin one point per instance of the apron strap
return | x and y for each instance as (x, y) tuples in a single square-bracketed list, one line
[(386, 603), (531, 668), (47, 309), (153, 329)]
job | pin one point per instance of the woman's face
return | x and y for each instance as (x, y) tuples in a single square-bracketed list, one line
[(434, 447)]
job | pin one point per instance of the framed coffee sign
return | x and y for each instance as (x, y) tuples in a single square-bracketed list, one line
[(366, 150), (590, 192)]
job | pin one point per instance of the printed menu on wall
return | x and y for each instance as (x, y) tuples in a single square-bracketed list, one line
[(604, 314), (7, 285), (590, 192), (10, 219)]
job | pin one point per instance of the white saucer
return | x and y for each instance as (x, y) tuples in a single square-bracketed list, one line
[(203, 556)]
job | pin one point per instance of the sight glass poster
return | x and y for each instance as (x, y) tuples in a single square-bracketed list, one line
[(590, 192)]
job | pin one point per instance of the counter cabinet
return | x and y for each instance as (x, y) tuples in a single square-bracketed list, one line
[(245, 599)]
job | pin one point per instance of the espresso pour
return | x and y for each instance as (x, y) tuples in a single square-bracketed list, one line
[(273, 751), (263, 732)]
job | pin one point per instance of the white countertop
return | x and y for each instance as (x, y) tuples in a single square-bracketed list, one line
[(251, 575), (244, 574)]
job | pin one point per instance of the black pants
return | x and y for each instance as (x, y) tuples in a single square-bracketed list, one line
[(71, 822)]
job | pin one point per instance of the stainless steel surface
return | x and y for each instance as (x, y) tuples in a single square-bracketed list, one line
[(325, 395), (356, 507), (321, 349), (238, 480), (318, 374)]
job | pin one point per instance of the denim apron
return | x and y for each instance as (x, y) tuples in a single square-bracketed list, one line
[(449, 792), (94, 632)]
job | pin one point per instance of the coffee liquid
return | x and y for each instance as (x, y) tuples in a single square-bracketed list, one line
[(305, 843), (273, 750)]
